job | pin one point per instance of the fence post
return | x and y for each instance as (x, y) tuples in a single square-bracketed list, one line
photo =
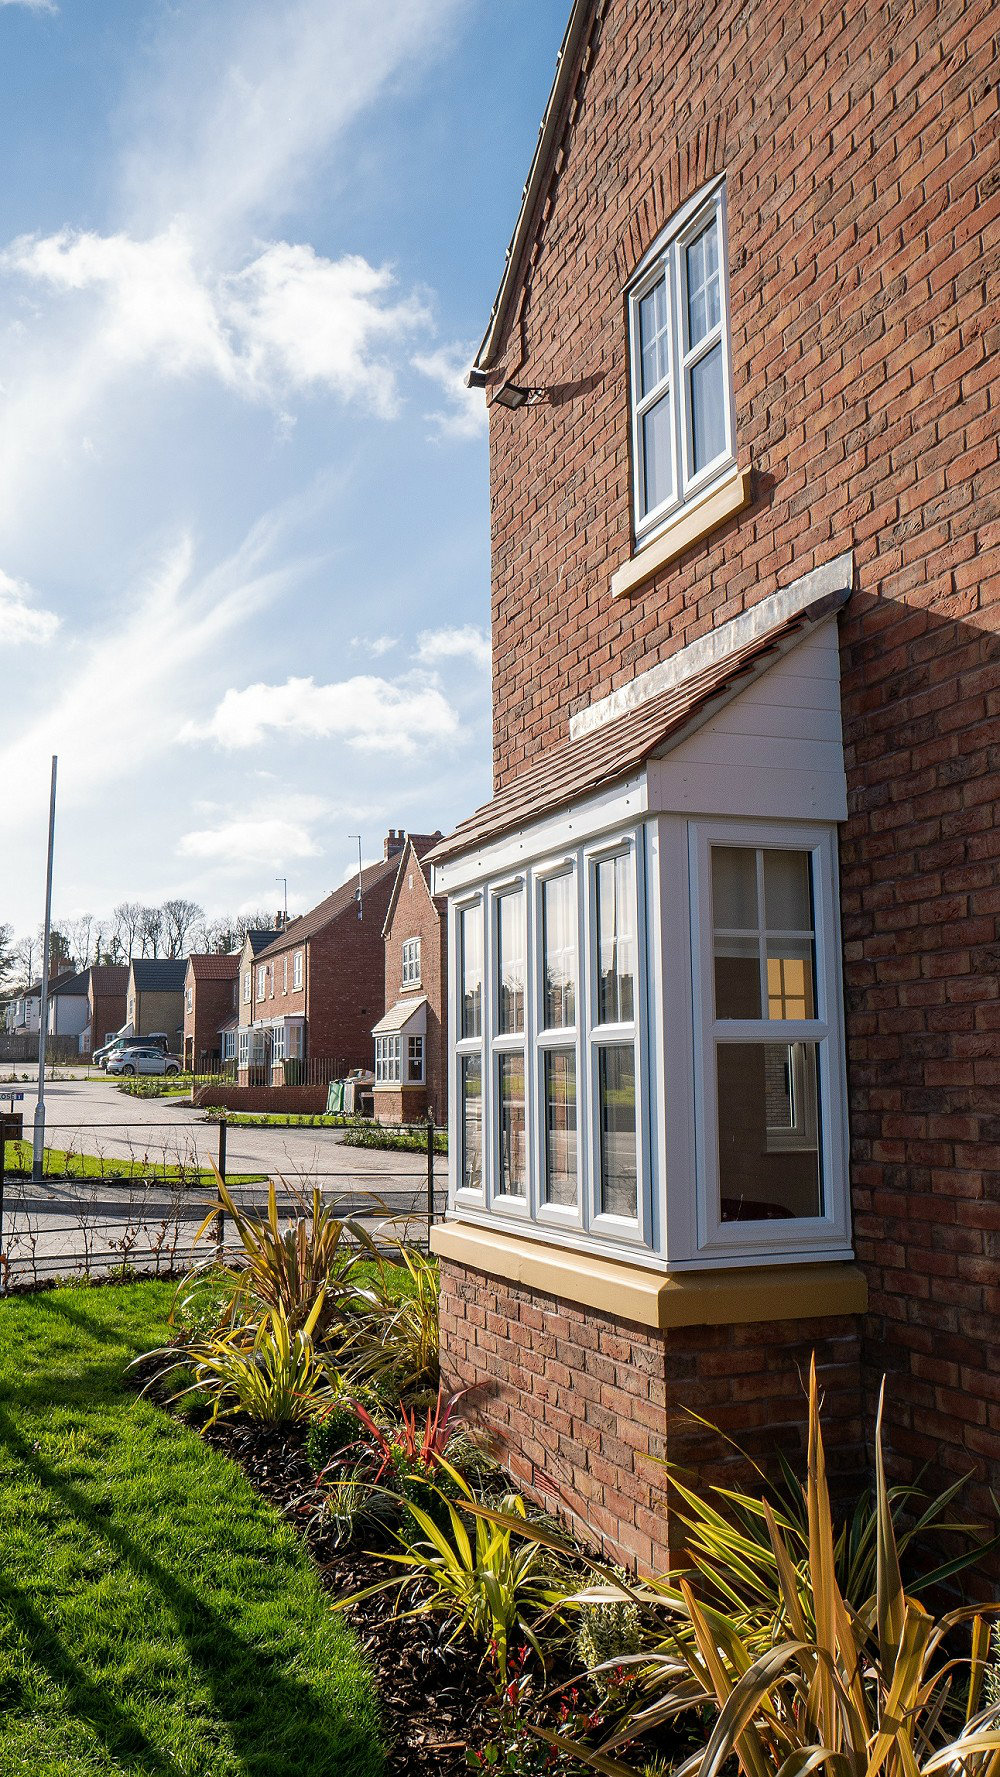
[(430, 1175), (220, 1226)]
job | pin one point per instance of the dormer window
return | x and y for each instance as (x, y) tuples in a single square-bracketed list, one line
[(680, 368)]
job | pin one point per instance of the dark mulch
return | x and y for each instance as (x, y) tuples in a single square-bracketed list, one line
[(435, 1701)]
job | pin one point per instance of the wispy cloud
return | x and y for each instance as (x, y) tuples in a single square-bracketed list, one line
[(32, 5), (280, 831), (379, 715), (464, 641), (21, 620), (376, 646), (465, 413)]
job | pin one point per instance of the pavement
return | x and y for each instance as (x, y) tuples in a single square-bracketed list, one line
[(57, 1226)]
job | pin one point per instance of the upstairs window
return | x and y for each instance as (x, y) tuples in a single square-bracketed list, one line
[(411, 962), (247, 982), (297, 969), (680, 369), (261, 982)]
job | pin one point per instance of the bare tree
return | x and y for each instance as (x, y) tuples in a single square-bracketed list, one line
[(151, 931), (8, 952), (128, 924), (180, 918), (227, 933), (78, 934), (26, 953)]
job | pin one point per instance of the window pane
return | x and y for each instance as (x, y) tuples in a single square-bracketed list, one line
[(560, 1125), (737, 941), (657, 454), (511, 1124), (788, 908), (415, 1057), (654, 355), (769, 1147), (616, 926), (706, 384), (616, 1109), (510, 947), (788, 891), (704, 307), (471, 938), (559, 949), (472, 1122)]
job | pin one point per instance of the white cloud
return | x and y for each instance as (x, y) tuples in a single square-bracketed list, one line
[(465, 415), (374, 714), (289, 320), (275, 832), (465, 641), (377, 646), (32, 5), (20, 619)]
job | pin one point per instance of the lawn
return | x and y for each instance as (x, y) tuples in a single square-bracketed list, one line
[(70, 1163), (156, 1616)]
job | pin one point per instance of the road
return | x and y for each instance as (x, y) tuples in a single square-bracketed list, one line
[(58, 1226)]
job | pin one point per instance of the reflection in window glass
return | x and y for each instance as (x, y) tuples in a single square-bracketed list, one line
[(657, 454), (616, 929), (708, 408), (513, 1180), (559, 950), (778, 950), (472, 1122), (510, 962), (616, 1111), (769, 1137), (704, 300), (471, 946), (654, 339), (559, 1070)]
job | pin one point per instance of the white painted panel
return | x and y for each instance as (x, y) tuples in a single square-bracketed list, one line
[(773, 721), (746, 790)]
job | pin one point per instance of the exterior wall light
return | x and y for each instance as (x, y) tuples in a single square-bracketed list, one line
[(512, 395)]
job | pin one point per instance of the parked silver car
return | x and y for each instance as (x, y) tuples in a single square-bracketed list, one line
[(143, 1061), (156, 1039)]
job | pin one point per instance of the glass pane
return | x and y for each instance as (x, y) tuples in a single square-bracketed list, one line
[(472, 1122), (787, 891), (472, 972), (708, 408), (559, 948), (654, 361), (510, 952), (788, 907), (616, 926), (511, 1124), (790, 978), (657, 454), (560, 1126), (616, 1109), (704, 307), (769, 1133), (737, 945)]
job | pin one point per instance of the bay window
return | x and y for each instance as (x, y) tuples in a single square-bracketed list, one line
[(415, 1059), (508, 1044), (467, 1115), (557, 1040), (614, 1036), (387, 1060)]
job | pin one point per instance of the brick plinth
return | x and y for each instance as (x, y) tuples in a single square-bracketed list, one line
[(582, 1408)]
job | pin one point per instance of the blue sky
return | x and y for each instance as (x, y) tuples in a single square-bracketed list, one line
[(246, 251)]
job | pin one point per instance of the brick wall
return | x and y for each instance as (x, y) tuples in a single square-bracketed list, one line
[(304, 1099), (863, 201), (345, 980), (213, 1004), (417, 916), (584, 1408)]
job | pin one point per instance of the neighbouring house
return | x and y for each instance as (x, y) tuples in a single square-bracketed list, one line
[(107, 995), (411, 1061), (725, 957), (154, 998), (24, 1007), (69, 1006), (309, 998), (211, 989)]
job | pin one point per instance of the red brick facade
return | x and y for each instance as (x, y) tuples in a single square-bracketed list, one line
[(863, 194), (414, 913), (210, 993), (584, 1408)]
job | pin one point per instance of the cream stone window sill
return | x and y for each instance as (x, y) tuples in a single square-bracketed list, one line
[(687, 527), (685, 1299)]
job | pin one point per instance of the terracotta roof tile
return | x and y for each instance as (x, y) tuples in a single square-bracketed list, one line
[(215, 967)]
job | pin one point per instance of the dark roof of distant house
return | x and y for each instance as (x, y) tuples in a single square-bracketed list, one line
[(33, 992), (260, 938), (213, 967), (109, 977), (159, 974), (342, 898), (611, 752), (75, 985)]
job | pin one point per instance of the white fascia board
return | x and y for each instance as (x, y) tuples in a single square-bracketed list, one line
[(823, 589), (620, 805)]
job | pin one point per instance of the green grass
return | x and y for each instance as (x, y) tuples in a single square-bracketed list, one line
[(360, 1132), (68, 1163), (156, 1615)]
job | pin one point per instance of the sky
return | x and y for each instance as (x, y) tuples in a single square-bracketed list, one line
[(247, 251)]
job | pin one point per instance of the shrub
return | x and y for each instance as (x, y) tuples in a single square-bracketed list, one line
[(394, 1342), (331, 1431), (276, 1380)]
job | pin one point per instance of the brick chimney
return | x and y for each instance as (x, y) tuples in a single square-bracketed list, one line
[(394, 842)]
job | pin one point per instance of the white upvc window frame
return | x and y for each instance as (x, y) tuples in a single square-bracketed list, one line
[(298, 970), (248, 986), (415, 1059), (799, 1237), (388, 1059), (473, 1197), (284, 973), (411, 962), (624, 1230), (666, 262), (504, 1043), (559, 1038), (262, 981), (243, 1045)]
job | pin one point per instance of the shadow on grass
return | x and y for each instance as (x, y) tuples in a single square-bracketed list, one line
[(253, 1699)]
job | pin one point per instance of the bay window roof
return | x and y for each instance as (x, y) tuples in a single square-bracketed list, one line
[(402, 1015)]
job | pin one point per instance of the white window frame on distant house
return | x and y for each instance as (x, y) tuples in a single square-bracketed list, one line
[(674, 356), (248, 987), (823, 1119), (244, 1046), (296, 1029), (284, 973), (262, 981), (388, 1063), (298, 970), (189, 999), (415, 1060), (411, 962)]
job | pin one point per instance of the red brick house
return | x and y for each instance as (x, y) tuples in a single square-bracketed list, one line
[(311, 993), (725, 949), (107, 1003), (211, 989), (411, 1058)]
